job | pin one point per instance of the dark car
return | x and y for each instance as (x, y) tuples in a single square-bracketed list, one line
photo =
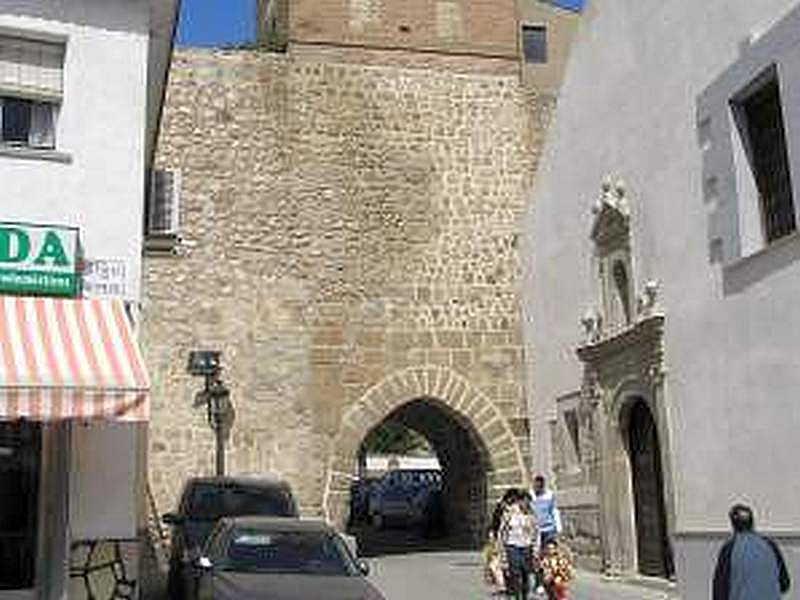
[(262, 558), (406, 496), (204, 501)]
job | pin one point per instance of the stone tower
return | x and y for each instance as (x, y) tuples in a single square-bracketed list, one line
[(479, 27), (350, 208)]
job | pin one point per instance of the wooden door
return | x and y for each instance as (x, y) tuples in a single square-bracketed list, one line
[(655, 557), (20, 459)]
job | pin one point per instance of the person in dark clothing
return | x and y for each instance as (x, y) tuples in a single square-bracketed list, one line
[(750, 566)]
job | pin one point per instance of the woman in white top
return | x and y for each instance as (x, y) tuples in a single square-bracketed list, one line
[(519, 533)]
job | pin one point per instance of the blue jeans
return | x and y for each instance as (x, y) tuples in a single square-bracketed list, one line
[(519, 567)]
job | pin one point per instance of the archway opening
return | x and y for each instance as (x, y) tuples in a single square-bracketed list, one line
[(623, 292), (420, 482), (654, 555)]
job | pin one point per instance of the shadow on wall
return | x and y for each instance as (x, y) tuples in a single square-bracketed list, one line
[(113, 15), (746, 272)]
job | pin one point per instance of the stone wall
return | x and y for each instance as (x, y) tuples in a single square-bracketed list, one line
[(341, 223)]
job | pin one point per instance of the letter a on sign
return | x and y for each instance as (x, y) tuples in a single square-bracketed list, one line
[(52, 250), (15, 245)]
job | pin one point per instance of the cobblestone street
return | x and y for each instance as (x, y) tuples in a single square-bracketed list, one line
[(440, 575)]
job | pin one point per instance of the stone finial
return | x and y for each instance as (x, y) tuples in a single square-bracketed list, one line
[(591, 321), (607, 188), (648, 301)]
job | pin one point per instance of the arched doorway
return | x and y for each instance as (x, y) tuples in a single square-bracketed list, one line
[(480, 453), (447, 510), (654, 556)]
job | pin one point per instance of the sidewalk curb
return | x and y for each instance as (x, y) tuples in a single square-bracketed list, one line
[(669, 588)]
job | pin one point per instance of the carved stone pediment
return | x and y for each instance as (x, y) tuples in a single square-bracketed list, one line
[(634, 353)]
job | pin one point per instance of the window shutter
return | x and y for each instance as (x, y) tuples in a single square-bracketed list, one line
[(31, 69), (163, 215)]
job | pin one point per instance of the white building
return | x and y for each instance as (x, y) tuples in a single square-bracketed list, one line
[(663, 312), (81, 85)]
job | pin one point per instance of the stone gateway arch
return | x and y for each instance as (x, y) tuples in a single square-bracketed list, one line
[(476, 445), (349, 238)]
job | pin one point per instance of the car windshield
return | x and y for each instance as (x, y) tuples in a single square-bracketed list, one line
[(296, 552), (211, 502)]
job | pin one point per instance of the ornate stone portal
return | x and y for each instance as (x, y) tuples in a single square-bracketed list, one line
[(621, 405)]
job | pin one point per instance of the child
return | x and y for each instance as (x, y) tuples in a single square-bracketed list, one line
[(556, 564)]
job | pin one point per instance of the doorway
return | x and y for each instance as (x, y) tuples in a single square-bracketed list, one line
[(20, 467), (414, 506), (652, 542)]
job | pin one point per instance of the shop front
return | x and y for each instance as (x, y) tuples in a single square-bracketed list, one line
[(74, 408)]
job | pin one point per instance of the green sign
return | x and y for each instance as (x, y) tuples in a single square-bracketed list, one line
[(39, 260)]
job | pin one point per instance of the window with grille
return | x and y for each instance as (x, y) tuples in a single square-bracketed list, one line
[(163, 206), (534, 43), (31, 89), (27, 123), (760, 118)]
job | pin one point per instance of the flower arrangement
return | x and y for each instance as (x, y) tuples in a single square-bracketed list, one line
[(558, 567)]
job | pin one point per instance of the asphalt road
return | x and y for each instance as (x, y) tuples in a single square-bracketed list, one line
[(441, 575)]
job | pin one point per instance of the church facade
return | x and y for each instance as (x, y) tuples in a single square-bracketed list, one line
[(662, 261)]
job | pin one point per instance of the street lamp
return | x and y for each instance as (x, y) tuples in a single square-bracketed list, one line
[(216, 396)]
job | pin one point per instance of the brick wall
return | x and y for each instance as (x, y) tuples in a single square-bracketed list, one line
[(461, 26)]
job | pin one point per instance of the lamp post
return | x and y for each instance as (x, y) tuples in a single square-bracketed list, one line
[(216, 396)]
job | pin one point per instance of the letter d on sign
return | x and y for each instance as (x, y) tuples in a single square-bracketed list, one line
[(15, 245)]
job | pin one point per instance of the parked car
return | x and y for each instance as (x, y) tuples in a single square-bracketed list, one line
[(279, 559), (203, 502), (360, 491), (405, 496)]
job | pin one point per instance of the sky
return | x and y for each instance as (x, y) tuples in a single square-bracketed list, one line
[(216, 22), (570, 4), (230, 22)]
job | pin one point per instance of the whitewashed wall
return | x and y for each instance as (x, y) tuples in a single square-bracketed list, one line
[(101, 127), (97, 185), (629, 108)]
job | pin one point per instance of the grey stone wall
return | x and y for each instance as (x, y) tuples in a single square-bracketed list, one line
[(341, 223)]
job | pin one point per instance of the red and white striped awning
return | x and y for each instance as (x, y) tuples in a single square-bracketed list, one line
[(69, 359)]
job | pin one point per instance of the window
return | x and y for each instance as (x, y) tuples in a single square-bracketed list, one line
[(760, 119), (573, 427), (163, 207), (534, 43), (27, 123), (30, 91)]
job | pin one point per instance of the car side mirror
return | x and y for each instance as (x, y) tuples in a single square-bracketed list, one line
[(203, 564), (172, 519), (363, 567)]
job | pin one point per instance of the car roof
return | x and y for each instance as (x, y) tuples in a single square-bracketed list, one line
[(271, 482), (282, 524)]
